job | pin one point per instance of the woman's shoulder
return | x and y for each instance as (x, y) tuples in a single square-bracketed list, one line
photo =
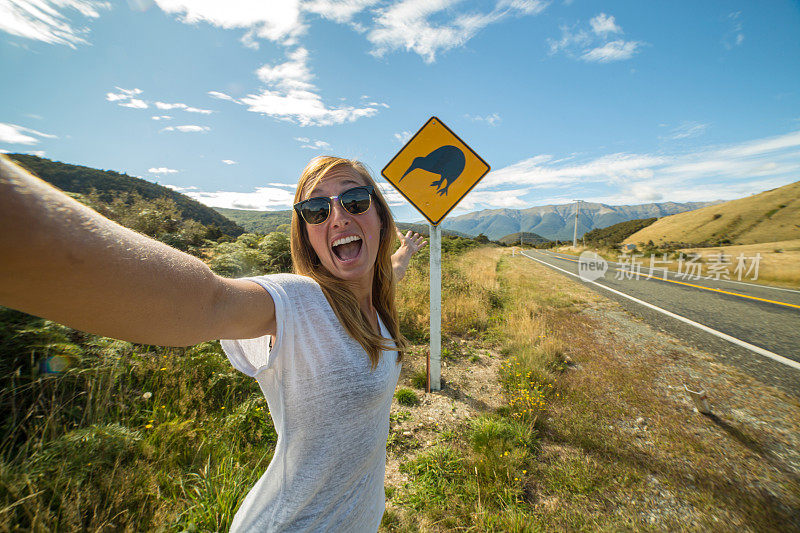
[(291, 285), (286, 280)]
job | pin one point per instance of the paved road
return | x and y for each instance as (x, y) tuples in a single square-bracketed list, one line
[(765, 317)]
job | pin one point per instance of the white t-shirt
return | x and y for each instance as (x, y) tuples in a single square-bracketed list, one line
[(331, 413)]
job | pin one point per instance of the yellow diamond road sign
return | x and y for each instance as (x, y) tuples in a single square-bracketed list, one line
[(435, 170)]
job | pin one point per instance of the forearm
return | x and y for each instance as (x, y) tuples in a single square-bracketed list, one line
[(63, 261)]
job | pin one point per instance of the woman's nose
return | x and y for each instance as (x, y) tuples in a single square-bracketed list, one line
[(339, 215)]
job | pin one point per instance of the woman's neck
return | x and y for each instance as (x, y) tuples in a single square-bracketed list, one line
[(364, 296)]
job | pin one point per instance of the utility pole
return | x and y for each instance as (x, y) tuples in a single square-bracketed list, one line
[(575, 234)]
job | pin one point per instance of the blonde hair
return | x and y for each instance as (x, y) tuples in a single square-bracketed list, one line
[(338, 292)]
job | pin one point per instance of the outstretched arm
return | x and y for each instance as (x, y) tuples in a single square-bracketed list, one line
[(410, 244), (65, 262)]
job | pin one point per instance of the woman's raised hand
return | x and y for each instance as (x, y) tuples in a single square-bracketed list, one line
[(410, 243)]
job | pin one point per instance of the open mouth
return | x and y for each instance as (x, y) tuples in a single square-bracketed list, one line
[(347, 248)]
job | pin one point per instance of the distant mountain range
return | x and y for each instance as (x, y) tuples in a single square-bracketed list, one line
[(558, 221)]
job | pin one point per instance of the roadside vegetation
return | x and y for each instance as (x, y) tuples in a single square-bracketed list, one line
[(565, 426), (586, 432), (100, 434)]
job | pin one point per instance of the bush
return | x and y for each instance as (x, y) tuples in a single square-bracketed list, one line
[(275, 247), (406, 397)]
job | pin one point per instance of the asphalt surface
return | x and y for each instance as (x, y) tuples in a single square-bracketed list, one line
[(766, 317)]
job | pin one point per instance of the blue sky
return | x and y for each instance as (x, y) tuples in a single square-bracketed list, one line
[(614, 102)]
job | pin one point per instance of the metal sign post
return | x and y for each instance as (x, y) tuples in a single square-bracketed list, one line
[(435, 360), (435, 153)]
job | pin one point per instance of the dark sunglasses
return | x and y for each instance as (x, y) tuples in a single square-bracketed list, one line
[(317, 210)]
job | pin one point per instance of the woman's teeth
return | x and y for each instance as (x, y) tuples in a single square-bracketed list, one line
[(345, 240), (347, 248)]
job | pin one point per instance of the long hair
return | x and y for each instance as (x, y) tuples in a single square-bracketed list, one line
[(338, 292)]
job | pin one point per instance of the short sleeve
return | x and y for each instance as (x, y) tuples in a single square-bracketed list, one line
[(253, 356)]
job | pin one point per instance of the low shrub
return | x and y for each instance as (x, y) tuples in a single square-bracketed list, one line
[(406, 397)]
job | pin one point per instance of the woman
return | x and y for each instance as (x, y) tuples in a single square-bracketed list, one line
[(324, 345)]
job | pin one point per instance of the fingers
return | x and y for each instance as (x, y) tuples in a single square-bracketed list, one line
[(412, 240)]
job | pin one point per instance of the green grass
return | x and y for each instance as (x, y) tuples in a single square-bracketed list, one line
[(127, 434), (406, 397)]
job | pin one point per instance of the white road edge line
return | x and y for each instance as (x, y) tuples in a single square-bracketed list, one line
[(675, 275), (734, 340)]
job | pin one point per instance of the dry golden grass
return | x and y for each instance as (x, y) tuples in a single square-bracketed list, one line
[(780, 261), (618, 447), (470, 291), (764, 217)]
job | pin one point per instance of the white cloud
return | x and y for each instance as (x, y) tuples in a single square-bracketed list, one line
[(291, 186), (127, 98), (274, 20), (313, 145), (166, 106), (134, 103), (407, 25), (688, 130), (162, 170), (720, 172), (592, 44), (229, 161), (493, 200), (643, 192), (612, 51), (181, 189), (491, 120), (391, 195), (262, 198), (541, 171), (734, 36), (293, 74), (222, 96), (291, 96), (338, 10), (45, 20), (188, 129), (14, 134), (603, 24), (403, 136)]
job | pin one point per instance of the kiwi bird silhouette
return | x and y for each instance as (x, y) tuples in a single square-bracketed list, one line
[(446, 161)]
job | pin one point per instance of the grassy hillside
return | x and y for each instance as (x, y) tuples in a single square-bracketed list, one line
[(770, 216), (110, 185), (258, 221), (524, 237), (613, 235)]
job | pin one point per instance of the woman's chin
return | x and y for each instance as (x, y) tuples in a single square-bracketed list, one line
[(353, 269)]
